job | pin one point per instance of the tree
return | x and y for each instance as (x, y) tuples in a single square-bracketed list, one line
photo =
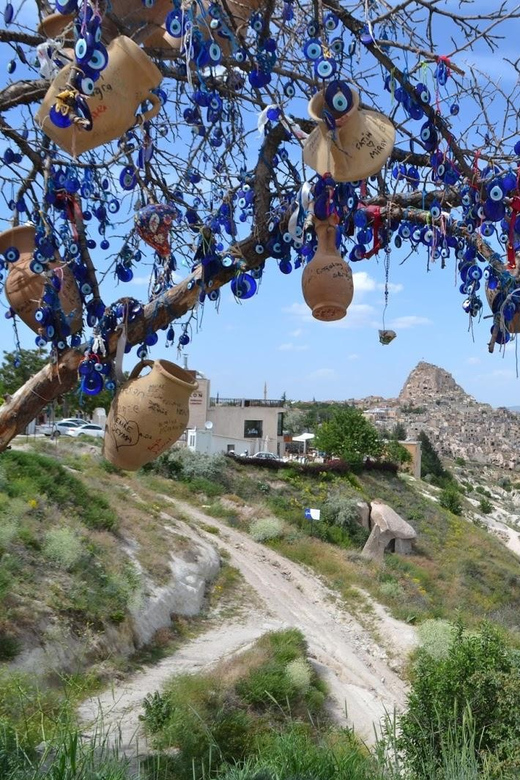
[(349, 436), (398, 432), (430, 462), (396, 453), (18, 367), (448, 185)]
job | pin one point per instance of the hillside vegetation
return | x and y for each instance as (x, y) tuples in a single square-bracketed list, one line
[(66, 518)]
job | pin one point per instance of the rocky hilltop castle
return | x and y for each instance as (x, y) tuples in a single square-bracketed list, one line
[(457, 424)]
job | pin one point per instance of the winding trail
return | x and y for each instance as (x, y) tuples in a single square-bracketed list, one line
[(361, 678)]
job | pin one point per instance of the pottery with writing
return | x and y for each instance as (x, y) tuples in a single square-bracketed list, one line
[(148, 414), (124, 84), (24, 289), (327, 280), (358, 147)]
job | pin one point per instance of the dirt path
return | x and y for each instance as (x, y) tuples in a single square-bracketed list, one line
[(356, 669)]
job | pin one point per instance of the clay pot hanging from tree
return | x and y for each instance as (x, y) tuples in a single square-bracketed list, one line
[(148, 414), (349, 143), (327, 279), (127, 80), (25, 289)]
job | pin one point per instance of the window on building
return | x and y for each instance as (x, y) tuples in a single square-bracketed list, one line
[(279, 432), (252, 429), (230, 447), (192, 439)]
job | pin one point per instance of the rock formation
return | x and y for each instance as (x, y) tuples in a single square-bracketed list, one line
[(387, 526)]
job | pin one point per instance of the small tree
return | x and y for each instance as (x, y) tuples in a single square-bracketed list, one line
[(430, 461), (398, 432), (450, 499), (349, 436), (396, 453)]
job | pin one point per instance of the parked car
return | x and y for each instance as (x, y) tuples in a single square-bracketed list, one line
[(90, 429), (63, 426), (266, 455)]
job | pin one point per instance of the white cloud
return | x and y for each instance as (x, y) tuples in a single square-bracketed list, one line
[(409, 321), (353, 356), (323, 373), (392, 288), (363, 282), (290, 347), (473, 361), (296, 333)]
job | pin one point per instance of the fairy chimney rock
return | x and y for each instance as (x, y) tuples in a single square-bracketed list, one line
[(427, 382), (387, 526)]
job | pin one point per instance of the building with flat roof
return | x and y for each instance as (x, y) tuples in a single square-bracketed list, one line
[(233, 424)]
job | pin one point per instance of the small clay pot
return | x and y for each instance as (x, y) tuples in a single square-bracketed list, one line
[(24, 289), (125, 83), (327, 284), (148, 414), (58, 25)]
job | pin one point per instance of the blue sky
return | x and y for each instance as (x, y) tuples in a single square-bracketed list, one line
[(272, 337)]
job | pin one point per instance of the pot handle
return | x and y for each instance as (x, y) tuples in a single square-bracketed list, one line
[(155, 100), (139, 367)]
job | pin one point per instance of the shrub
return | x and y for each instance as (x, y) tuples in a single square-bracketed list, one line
[(266, 528), (342, 511), (8, 532), (299, 674), (63, 547), (396, 453), (478, 678), (485, 506), (435, 637), (450, 499)]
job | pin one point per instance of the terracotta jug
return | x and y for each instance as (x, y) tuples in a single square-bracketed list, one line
[(125, 83), (55, 25), (327, 280), (148, 414), (24, 289)]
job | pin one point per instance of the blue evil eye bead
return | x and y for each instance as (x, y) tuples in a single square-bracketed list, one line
[(325, 68), (494, 210), (435, 209), (36, 267), (12, 254), (336, 47), (161, 94), (99, 59), (398, 241), (429, 137), (43, 315), (104, 244), (67, 7), (357, 253), (214, 295), (148, 3), (243, 286), (241, 55), (83, 51), (128, 178), (312, 49), (365, 37), (487, 229), (454, 109), (40, 341), (214, 53), (174, 23), (151, 339), (474, 273), (113, 206), (285, 267), (256, 23), (11, 66), (405, 230), (496, 191), (330, 21), (184, 340), (258, 78), (516, 148), (8, 14), (427, 236), (58, 119), (501, 336), (423, 93), (312, 29), (338, 97), (92, 384), (123, 273), (441, 73)]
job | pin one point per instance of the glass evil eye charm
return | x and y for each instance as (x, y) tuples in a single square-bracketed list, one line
[(128, 178), (338, 98), (243, 286)]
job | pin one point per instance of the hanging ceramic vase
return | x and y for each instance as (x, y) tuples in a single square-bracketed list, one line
[(148, 414), (125, 83), (24, 288), (349, 143), (327, 279), (58, 26)]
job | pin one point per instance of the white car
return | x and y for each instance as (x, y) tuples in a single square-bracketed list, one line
[(89, 429), (62, 426)]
